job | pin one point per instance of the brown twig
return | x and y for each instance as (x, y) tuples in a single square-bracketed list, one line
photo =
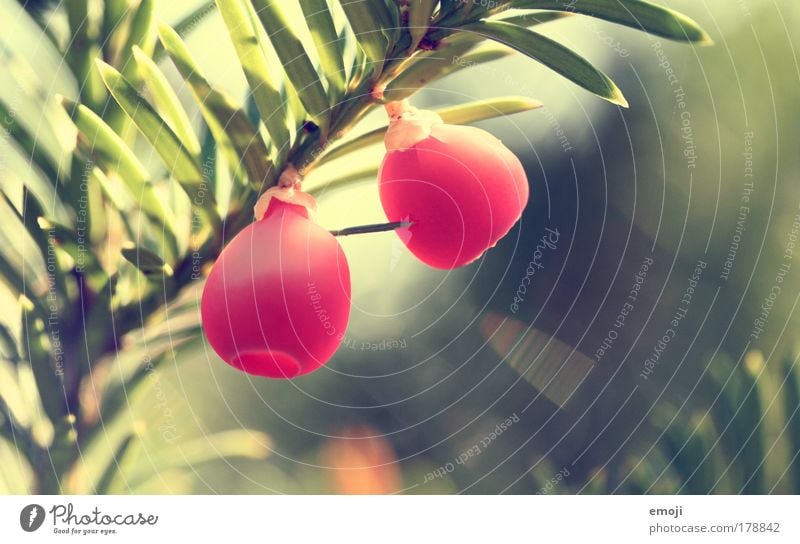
[(366, 229)]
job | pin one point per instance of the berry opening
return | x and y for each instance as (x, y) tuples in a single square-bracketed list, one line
[(271, 364)]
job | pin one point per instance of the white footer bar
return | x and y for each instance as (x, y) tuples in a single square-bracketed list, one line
[(334, 519)]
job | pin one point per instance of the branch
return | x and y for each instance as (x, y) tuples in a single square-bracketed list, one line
[(366, 229)]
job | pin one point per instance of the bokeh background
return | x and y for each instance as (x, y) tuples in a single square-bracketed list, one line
[(443, 383)]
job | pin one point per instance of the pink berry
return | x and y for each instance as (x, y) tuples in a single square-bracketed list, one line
[(277, 301), (460, 186)]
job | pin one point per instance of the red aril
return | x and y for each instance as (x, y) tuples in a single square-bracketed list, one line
[(277, 301), (460, 186)]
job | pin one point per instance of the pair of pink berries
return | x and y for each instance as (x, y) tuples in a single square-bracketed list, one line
[(277, 301)]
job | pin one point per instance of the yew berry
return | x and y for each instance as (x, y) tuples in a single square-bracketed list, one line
[(277, 301), (459, 186)]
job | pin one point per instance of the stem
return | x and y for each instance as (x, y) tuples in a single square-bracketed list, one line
[(366, 229), (307, 153)]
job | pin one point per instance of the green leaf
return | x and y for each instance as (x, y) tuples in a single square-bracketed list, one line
[(360, 69), (183, 165), (462, 114), (226, 120), (363, 16), (436, 65), (637, 14), (181, 324), (431, 66), (447, 8), (354, 144), (791, 407), (112, 470), (774, 454), (49, 384), (30, 216), (113, 189), (82, 49), (327, 42), (689, 445), (419, 20), (295, 61), (208, 157), (22, 264), (393, 8), (654, 471), (242, 443), (35, 152), (553, 55), (137, 31), (537, 18), (141, 35), (16, 474), (391, 27), (706, 432), (147, 261), (738, 407), (114, 12), (187, 24), (13, 401), (725, 379), (8, 345), (597, 482), (263, 86), (102, 308), (144, 360), (298, 112), (98, 140), (124, 373), (479, 110), (166, 101), (454, 54), (753, 449), (66, 239)]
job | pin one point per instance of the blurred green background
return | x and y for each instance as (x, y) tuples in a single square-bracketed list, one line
[(440, 387)]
